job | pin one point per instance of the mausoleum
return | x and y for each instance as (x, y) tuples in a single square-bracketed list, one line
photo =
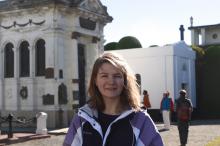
[(160, 69), (47, 48)]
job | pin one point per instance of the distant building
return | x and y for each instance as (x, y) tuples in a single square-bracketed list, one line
[(47, 51), (159, 69), (205, 35)]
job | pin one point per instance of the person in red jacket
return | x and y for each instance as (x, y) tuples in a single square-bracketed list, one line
[(146, 100)]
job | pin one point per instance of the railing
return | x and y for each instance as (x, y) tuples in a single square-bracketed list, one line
[(12, 119)]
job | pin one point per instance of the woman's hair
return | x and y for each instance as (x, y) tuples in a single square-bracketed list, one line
[(130, 95)]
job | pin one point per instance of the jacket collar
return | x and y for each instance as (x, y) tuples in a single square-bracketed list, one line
[(87, 112)]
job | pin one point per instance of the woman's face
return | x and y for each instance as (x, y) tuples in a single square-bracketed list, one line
[(110, 81)]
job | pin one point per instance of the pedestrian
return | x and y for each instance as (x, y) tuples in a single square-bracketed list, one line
[(166, 108), (184, 110), (146, 100), (112, 115)]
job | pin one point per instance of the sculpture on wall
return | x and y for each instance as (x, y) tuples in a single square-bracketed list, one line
[(24, 92), (30, 22)]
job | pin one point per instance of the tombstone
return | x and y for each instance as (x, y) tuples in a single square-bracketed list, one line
[(41, 123)]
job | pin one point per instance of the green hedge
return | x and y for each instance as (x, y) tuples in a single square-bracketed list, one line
[(111, 46), (208, 81), (127, 42)]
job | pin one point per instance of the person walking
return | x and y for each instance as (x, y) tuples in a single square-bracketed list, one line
[(112, 115), (184, 110), (166, 108), (146, 100)]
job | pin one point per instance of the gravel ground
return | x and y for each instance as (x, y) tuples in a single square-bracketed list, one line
[(200, 133)]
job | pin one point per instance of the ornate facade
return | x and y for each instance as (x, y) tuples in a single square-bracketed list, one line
[(47, 51)]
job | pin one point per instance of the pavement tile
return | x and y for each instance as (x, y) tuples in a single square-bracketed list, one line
[(200, 133), (20, 137)]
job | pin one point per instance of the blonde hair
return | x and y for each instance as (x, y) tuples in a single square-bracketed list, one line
[(130, 95)]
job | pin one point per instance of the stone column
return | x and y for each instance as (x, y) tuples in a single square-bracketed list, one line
[(73, 72), (61, 48), (50, 82), (15, 89), (92, 54), (1, 77), (50, 61), (194, 37), (16, 62), (32, 60), (203, 36), (74, 60), (32, 76), (2, 63), (1, 95)]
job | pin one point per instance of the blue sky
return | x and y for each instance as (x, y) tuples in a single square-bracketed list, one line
[(157, 22)]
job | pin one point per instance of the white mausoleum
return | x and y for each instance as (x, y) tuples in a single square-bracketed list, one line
[(47, 48), (168, 68)]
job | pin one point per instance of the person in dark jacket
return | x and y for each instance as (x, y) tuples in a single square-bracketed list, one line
[(184, 110), (112, 116)]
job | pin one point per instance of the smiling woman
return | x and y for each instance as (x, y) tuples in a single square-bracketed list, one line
[(112, 116), (110, 83)]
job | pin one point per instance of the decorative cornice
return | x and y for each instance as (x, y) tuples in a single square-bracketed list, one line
[(75, 35), (95, 39), (23, 25)]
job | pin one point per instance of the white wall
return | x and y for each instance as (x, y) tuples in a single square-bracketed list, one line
[(161, 69), (209, 36)]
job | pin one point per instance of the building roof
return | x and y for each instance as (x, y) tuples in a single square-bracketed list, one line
[(205, 26), (10, 5), (20, 4)]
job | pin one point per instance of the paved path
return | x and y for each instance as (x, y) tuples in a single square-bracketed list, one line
[(200, 133)]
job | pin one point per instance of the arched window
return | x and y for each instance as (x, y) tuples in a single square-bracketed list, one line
[(24, 59), (9, 61), (40, 57)]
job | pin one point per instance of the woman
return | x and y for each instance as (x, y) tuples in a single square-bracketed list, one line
[(112, 116)]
